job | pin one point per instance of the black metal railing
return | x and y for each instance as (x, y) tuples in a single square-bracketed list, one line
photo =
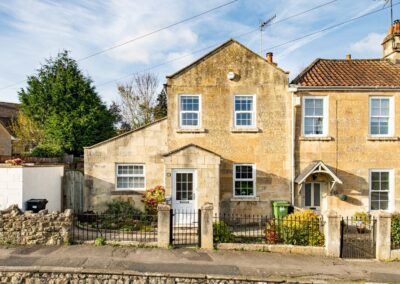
[(395, 232), (112, 227), (185, 228), (263, 229), (358, 237)]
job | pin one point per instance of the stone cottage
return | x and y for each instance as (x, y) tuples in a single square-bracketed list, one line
[(238, 136), (8, 112), (225, 140)]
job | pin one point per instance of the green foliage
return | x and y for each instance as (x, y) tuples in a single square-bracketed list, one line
[(152, 197), (395, 233), (160, 110), (222, 232), (362, 216), (100, 241), (65, 104), (120, 207), (47, 151)]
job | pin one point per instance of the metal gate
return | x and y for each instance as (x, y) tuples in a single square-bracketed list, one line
[(185, 228), (358, 237)]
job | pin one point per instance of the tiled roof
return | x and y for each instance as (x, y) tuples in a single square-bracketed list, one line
[(350, 73)]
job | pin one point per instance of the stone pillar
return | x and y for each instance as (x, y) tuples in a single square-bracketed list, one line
[(332, 233), (383, 231), (207, 226), (163, 225)]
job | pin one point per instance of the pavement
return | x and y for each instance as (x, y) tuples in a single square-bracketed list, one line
[(260, 265)]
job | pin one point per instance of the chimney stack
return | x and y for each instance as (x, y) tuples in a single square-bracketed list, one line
[(391, 43), (270, 57), (348, 56)]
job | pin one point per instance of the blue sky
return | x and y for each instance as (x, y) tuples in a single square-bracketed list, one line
[(31, 31)]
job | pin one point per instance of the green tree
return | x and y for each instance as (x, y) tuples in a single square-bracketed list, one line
[(65, 104), (160, 110)]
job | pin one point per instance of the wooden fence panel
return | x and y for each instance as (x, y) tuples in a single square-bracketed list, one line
[(73, 186)]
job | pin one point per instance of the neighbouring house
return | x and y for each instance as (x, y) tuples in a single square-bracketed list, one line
[(347, 146), (8, 112), (225, 140), (238, 136)]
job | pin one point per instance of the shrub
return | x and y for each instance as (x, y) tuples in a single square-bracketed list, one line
[(152, 197), (47, 151), (222, 232), (362, 216), (124, 208), (301, 228), (100, 241), (395, 233)]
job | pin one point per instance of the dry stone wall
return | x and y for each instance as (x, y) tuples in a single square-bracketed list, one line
[(43, 228)]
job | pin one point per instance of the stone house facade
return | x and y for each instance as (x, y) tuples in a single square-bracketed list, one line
[(8, 112), (239, 136)]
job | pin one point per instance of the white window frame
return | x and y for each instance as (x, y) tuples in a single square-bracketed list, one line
[(325, 123), (391, 116), (198, 126), (130, 175), (312, 195), (390, 192), (253, 112), (254, 179)]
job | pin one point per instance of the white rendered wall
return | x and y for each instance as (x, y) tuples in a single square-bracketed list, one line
[(10, 187), (43, 183)]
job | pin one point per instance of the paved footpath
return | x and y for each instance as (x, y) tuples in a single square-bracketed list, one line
[(189, 261)]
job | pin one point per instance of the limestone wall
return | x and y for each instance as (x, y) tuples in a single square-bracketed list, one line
[(29, 228), (5, 141)]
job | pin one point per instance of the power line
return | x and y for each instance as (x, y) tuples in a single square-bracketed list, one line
[(214, 45)]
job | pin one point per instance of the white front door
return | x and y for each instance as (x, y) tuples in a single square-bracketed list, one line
[(184, 187)]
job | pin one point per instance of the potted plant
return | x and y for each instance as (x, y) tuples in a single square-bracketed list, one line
[(361, 220)]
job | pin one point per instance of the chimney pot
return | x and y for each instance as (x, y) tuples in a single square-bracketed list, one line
[(348, 56), (270, 57)]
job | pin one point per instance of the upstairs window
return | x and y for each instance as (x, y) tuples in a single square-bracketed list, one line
[(244, 179), (130, 176), (381, 116), (244, 111), (315, 116), (189, 114)]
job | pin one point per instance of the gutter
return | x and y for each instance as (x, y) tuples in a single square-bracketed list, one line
[(345, 88)]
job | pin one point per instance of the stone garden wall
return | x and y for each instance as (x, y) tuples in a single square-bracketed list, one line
[(43, 228)]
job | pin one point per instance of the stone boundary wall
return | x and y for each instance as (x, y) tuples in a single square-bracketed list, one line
[(305, 250), (43, 228), (76, 276), (395, 254)]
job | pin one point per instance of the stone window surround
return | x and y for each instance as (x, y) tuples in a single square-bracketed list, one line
[(391, 118), (391, 188), (325, 125), (254, 179), (193, 128), (133, 175), (243, 128)]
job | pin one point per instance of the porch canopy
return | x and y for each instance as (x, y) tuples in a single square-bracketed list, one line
[(317, 167)]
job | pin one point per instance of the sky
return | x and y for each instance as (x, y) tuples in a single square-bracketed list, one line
[(32, 31)]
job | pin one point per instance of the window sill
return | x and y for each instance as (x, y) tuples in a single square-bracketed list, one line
[(315, 138), (382, 138), (245, 199), (195, 130), (127, 192), (245, 130)]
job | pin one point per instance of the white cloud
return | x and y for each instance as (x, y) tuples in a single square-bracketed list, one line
[(371, 44)]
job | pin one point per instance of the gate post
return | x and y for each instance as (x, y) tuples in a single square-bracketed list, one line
[(163, 225), (206, 226), (332, 234), (383, 230)]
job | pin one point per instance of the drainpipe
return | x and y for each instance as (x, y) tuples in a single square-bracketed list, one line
[(292, 90)]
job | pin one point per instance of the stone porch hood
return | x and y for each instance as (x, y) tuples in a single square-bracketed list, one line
[(317, 167)]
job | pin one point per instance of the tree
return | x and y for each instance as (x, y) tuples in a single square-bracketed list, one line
[(160, 110), (28, 133), (137, 99), (64, 103)]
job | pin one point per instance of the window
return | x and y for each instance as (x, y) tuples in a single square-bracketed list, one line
[(244, 111), (189, 114), (315, 116), (381, 116), (312, 195), (130, 176), (244, 180), (380, 188)]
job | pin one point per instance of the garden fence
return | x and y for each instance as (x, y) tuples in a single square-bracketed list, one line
[(140, 228), (263, 229)]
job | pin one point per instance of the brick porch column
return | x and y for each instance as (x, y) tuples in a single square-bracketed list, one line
[(207, 226), (383, 231), (332, 234), (163, 225)]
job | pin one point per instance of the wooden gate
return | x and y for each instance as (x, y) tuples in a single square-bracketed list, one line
[(358, 238), (73, 187), (185, 228)]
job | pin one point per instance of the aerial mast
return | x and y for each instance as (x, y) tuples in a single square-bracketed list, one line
[(263, 25)]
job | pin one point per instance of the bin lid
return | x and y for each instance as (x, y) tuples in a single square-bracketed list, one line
[(281, 203), (37, 200)]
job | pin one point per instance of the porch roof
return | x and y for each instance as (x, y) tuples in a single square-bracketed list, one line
[(316, 167)]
